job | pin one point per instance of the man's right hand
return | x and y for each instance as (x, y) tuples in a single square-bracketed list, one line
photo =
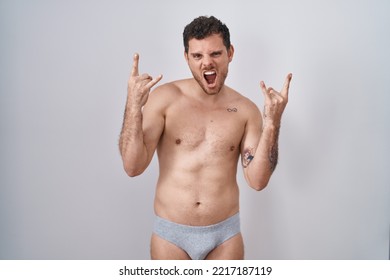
[(139, 86)]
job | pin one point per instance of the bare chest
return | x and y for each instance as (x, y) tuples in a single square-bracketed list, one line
[(216, 131)]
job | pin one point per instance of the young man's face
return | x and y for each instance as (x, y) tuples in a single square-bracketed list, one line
[(209, 60)]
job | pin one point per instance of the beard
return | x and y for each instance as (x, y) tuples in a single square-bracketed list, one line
[(211, 89)]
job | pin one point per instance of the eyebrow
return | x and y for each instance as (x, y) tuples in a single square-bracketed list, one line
[(212, 52)]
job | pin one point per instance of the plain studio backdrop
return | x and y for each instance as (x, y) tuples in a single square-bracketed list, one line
[(64, 69)]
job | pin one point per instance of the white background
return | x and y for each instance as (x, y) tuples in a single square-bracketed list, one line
[(63, 75)]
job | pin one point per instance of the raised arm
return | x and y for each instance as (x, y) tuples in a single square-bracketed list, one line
[(260, 144), (139, 137)]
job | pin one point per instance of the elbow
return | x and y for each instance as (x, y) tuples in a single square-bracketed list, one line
[(132, 167), (132, 171), (259, 185)]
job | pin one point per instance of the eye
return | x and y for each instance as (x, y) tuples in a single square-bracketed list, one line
[(216, 54), (197, 56)]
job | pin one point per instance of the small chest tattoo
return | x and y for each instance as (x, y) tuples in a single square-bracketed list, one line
[(232, 110)]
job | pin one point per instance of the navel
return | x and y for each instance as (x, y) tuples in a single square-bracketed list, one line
[(232, 148)]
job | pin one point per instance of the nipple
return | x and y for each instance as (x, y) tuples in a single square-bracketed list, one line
[(178, 141)]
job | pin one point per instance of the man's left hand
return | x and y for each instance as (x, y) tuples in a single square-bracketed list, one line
[(275, 102)]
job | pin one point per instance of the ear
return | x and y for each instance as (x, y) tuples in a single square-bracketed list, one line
[(231, 53), (186, 56)]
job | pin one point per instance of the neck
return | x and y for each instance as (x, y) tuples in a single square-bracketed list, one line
[(203, 96)]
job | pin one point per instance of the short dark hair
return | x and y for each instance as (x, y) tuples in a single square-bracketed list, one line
[(203, 27)]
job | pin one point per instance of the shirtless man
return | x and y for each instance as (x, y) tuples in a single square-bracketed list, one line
[(200, 127)]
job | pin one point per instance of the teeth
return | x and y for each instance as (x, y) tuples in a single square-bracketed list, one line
[(209, 73)]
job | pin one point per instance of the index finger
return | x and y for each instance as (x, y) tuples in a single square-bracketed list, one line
[(134, 70), (286, 85)]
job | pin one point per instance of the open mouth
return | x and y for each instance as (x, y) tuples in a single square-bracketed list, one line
[(210, 77)]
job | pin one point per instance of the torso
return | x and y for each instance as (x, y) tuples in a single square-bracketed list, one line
[(198, 154)]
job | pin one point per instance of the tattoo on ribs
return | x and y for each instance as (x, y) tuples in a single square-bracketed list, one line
[(248, 157)]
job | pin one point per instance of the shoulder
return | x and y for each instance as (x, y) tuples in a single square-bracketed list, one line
[(252, 117), (165, 90), (170, 91), (164, 95), (248, 110), (244, 103)]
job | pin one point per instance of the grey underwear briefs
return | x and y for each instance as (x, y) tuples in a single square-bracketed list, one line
[(197, 241)]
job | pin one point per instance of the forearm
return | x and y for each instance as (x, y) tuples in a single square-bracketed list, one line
[(131, 142), (265, 158)]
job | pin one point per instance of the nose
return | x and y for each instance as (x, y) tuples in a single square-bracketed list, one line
[(207, 61)]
